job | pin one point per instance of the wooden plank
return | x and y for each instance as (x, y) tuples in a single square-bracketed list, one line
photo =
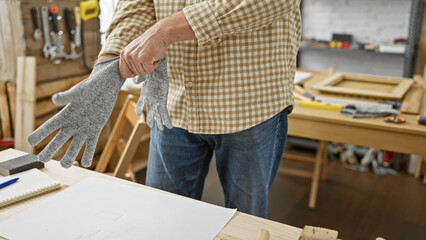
[(45, 107), (412, 100), (402, 88), (333, 79), (131, 115), (6, 126), (25, 102), (316, 175), (47, 89), (331, 85), (373, 78), (40, 120), (11, 39), (130, 149), (11, 95), (420, 80), (112, 141)]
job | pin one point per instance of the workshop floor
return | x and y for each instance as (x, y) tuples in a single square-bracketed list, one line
[(358, 205)]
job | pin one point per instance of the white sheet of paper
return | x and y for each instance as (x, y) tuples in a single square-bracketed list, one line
[(101, 209), (299, 76)]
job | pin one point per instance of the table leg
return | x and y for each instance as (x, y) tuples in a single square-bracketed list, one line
[(316, 175), (424, 160), (324, 162), (419, 167)]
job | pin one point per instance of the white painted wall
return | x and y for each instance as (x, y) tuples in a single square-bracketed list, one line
[(367, 21), (105, 16)]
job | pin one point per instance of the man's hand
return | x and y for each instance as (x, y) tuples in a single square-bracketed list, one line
[(141, 55)]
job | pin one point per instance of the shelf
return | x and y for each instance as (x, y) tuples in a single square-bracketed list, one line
[(341, 50)]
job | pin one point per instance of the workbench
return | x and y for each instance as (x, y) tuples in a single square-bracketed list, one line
[(241, 226), (331, 126)]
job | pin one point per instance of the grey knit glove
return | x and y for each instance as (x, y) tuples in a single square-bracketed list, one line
[(367, 111), (155, 88), (88, 107)]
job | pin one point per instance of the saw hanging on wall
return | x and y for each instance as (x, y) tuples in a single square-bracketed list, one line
[(88, 10)]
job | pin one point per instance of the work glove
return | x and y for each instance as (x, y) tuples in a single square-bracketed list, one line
[(155, 87), (88, 107), (367, 111)]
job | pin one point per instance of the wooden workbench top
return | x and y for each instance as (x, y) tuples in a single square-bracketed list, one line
[(241, 226), (409, 127)]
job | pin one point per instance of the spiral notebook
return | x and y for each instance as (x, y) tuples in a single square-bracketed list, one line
[(31, 183)]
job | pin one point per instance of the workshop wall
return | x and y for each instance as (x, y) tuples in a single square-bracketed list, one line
[(367, 21), (47, 70)]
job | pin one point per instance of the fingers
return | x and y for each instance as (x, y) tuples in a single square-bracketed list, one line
[(44, 130), (166, 119), (133, 64), (87, 158), (149, 117), (73, 150), (54, 145), (159, 122), (124, 68), (140, 105), (71, 95)]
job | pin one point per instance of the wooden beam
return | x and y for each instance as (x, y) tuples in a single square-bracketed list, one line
[(6, 125), (412, 100), (45, 107), (12, 42), (25, 102), (11, 93), (47, 89)]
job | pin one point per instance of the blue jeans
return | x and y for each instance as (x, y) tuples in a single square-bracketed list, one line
[(246, 162)]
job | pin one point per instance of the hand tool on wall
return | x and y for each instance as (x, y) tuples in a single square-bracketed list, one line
[(77, 35), (88, 10), (37, 31), (58, 47), (48, 50), (71, 32)]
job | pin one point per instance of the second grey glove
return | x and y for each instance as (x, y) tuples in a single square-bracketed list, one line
[(88, 107), (154, 93), (363, 111)]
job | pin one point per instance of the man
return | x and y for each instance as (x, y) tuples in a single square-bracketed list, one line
[(231, 65)]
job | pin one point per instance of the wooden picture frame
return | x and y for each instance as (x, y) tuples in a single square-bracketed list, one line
[(365, 85)]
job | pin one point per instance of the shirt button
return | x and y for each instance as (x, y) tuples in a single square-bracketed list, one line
[(190, 84)]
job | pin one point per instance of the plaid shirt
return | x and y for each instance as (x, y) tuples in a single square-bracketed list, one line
[(237, 73)]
